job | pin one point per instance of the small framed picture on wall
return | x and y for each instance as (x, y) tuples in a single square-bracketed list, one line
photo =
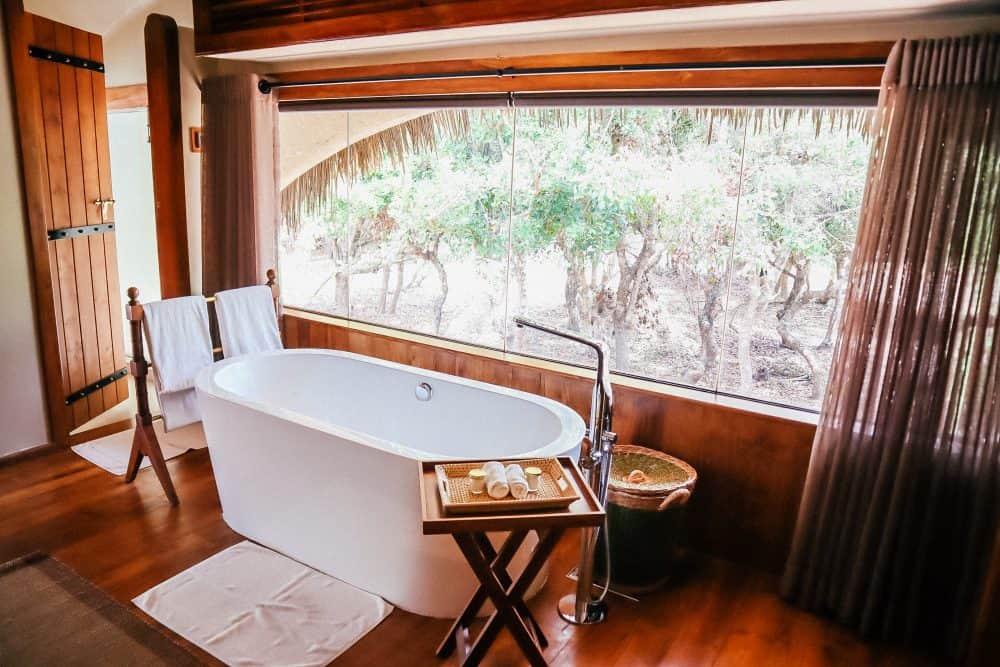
[(195, 135)]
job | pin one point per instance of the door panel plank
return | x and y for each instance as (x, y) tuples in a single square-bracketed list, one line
[(64, 271), (110, 243), (48, 86), (78, 218), (92, 192)]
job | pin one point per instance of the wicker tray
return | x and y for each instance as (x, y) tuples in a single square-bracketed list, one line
[(555, 491)]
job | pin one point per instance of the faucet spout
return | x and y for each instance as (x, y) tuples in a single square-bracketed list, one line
[(581, 608), (602, 403)]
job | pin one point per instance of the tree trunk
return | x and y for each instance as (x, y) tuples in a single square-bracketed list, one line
[(628, 294), (781, 287), (792, 343), (383, 296), (622, 360), (518, 273), (792, 305), (702, 291), (400, 270), (341, 290), (706, 329), (631, 280), (574, 283), (744, 330), (339, 275), (432, 257), (831, 324)]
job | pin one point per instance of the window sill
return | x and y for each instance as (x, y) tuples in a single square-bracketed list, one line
[(650, 386)]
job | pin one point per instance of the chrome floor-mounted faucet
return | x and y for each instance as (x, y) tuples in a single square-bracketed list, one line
[(595, 461)]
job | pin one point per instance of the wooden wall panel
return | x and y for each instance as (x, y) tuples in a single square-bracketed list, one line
[(751, 466)]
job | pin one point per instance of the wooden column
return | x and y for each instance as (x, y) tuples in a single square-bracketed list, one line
[(166, 136)]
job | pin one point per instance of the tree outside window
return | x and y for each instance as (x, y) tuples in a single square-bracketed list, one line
[(708, 249)]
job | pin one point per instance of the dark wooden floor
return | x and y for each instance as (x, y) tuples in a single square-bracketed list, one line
[(127, 539)]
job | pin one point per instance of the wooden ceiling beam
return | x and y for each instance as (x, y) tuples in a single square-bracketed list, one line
[(128, 98), (225, 26)]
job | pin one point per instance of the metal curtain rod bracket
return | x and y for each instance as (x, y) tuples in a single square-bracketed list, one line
[(266, 86)]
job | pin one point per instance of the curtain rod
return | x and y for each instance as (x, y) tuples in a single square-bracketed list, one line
[(266, 86), (731, 98), (727, 98)]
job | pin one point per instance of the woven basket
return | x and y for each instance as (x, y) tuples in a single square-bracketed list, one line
[(670, 485)]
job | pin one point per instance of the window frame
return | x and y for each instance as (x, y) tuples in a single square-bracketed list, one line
[(800, 86)]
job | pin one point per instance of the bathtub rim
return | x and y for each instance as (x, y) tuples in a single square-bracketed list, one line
[(572, 426)]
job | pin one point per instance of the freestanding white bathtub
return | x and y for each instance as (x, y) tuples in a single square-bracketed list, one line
[(315, 451)]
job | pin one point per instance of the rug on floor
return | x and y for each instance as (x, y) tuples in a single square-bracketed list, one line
[(248, 605), (50, 615), (112, 451)]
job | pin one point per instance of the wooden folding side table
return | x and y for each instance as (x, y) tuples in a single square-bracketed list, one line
[(490, 565)]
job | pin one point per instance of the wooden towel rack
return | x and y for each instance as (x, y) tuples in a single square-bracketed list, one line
[(144, 441)]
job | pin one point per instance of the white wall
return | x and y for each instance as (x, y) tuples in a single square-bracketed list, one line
[(135, 210), (125, 63), (125, 46), (191, 117), (22, 411)]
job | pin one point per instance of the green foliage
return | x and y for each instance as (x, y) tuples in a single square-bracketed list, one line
[(629, 194)]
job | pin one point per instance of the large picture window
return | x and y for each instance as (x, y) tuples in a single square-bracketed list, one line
[(706, 247)]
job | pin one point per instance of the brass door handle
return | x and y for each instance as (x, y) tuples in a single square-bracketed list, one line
[(104, 204)]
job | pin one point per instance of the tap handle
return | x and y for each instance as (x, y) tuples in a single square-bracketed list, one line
[(586, 452)]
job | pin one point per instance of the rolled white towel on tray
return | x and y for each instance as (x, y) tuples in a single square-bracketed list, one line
[(496, 480), (516, 480)]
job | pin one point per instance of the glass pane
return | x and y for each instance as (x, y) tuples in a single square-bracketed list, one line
[(623, 226), (799, 210), (312, 251), (429, 220)]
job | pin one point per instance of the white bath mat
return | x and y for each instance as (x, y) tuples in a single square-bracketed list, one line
[(111, 452), (248, 605)]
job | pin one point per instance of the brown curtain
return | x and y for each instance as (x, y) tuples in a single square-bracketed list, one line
[(239, 214), (900, 505)]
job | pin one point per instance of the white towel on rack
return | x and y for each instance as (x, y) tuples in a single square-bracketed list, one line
[(179, 408), (180, 345), (247, 322)]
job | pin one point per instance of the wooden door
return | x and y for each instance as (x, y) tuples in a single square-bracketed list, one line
[(58, 80)]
